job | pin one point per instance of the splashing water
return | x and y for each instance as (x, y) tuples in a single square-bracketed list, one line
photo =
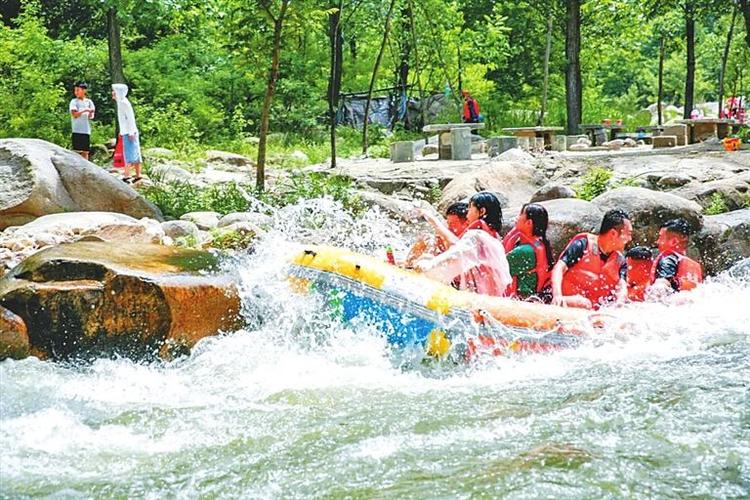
[(298, 405)]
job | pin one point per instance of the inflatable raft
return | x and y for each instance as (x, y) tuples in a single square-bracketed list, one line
[(413, 310)]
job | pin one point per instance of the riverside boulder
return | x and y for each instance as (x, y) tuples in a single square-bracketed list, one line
[(89, 299), (649, 209), (17, 243), (39, 178), (724, 240), (14, 340)]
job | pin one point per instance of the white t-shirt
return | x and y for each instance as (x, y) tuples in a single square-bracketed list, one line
[(81, 125)]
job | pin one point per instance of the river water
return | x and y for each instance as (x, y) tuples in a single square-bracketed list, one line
[(297, 405)]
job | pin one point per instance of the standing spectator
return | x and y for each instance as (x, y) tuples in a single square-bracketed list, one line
[(81, 113), (471, 109), (128, 132)]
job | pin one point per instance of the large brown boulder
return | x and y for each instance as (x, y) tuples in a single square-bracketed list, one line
[(724, 240), (649, 209), (514, 182), (39, 178), (88, 299), (14, 340)]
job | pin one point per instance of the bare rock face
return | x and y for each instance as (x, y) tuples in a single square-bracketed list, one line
[(552, 191), (90, 299), (649, 209), (39, 178), (17, 243), (734, 190), (724, 240), (567, 218), (515, 183)]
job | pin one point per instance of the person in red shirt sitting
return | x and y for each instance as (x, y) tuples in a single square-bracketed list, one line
[(592, 269)]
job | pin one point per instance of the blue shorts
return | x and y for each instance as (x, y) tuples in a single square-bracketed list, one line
[(131, 149)]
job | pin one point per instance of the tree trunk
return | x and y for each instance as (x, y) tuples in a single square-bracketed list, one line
[(417, 70), (334, 80), (573, 85), (114, 44), (402, 74), (545, 84), (724, 59), (660, 90), (745, 6), (278, 25), (386, 32), (690, 75)]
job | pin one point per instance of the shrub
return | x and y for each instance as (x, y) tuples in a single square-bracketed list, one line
[(718, 205), (231, 239), (594, 183)]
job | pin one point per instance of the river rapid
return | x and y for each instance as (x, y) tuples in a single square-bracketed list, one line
[(298, 405)]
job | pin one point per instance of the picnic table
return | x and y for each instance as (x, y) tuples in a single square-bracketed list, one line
[(700, 129), (597, 132), (444, 130), (545, 133)]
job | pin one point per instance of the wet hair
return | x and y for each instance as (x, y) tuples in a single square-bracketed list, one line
[(82, 85), (493, 215), (537, 214), (678, 226), (459, 209), (613, 219), (639, 253)]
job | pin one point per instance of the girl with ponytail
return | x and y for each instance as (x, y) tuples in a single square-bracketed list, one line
[(529, 254)]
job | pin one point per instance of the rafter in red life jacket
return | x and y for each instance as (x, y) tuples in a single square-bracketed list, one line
[(591, 277), (689, 272)]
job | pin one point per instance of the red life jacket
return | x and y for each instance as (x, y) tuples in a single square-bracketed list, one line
[(541, 269), (639, 278), (591, 277), (689, 272), (480, 224)]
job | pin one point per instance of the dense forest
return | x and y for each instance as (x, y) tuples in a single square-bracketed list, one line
[(222, 72)]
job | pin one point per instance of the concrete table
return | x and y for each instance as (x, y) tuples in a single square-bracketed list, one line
[(599, 130), (545, 133), (701, 129), (445, 138)]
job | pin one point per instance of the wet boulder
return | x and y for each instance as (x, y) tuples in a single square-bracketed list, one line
[(552, 191), (724, 240), (39, 178), (567, 218), (734, 191), (90, 299), (649, 209)]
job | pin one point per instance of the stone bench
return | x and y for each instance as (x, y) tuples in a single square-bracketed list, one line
[(402, 152), (680, 131), (446, 138)]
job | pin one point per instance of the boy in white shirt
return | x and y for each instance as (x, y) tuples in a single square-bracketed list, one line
[(81, 113)]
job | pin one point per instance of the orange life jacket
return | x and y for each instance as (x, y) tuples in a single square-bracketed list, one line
[(689, 272), (591, 277), (639, 278), (541, 269), (481, 224)]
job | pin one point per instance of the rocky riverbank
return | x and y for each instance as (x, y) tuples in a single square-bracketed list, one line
[(93, 268)]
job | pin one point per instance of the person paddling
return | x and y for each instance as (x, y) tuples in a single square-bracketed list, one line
[(455, 222), (477, 259), (529, 254), (592, 268), (128, 132), (673, 270)]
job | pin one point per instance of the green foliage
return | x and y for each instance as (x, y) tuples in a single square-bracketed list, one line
[(744, 134), (222, 239), (717, 205), (300, 186), (175, 199), (594, 183)]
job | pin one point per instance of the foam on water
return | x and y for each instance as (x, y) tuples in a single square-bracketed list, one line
[(297, 404)]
